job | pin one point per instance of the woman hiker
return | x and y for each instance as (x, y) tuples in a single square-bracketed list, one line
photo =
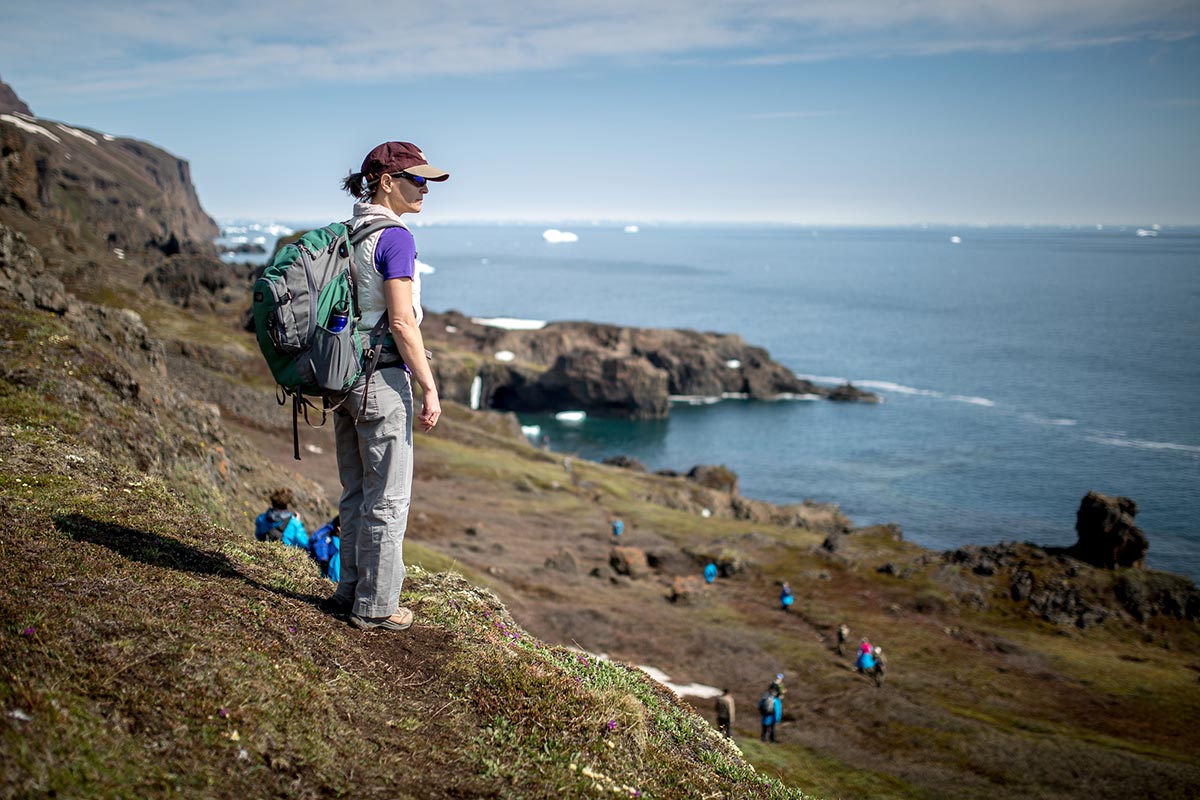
[(375, 440)]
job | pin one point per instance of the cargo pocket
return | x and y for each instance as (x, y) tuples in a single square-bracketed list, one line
[(335, 360), (281, 320)]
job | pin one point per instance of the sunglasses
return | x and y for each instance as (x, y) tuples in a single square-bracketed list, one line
[(417, 180)]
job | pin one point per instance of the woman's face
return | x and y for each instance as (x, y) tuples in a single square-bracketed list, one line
[(400, 194)]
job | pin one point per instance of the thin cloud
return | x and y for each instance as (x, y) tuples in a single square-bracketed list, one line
[(769, 115), (122, 47)]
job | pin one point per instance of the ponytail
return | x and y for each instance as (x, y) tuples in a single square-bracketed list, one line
[(356, 185)]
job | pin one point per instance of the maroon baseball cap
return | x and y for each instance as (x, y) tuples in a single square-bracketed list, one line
[(400, 157)]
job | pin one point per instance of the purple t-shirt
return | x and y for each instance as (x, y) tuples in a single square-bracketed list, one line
[(396, 254)]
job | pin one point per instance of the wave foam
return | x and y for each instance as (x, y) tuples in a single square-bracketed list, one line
[(1142, 444), (820, 378), (975, 401)]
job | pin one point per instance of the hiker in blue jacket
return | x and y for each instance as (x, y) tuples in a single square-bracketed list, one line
[(785, 597), (278, 524), (710, 572), (325, 545), (771, 709)]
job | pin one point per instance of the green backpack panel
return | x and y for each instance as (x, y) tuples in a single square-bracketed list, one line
[(306, 284)]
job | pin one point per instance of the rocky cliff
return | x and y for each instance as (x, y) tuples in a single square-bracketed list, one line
[(607, 369), (85, 196)]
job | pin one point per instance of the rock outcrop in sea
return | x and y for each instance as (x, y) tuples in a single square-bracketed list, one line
[(607, 370)]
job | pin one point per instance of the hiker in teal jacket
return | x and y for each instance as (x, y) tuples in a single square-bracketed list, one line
[(771, 708), (278, 524)]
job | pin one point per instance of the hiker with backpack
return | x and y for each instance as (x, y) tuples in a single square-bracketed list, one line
[(843, 633), (877, 672), (373, 419), (324, 546), (786, 598), (770, 708), (725, 713), (279, 524)]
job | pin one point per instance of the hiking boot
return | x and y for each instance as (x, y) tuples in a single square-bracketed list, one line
[(336, 605), (402, 620)]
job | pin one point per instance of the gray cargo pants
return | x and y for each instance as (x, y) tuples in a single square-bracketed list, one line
[(374, 456)]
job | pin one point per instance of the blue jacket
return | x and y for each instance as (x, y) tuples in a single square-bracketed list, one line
[(865, 661), (775, 715), (325, 548), (710, 572), (284, 526), (786, 598), (335, 567)]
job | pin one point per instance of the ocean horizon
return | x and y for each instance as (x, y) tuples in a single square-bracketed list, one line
[(1020, 367)]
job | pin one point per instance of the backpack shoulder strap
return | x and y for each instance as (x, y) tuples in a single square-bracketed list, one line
[(372, 227)]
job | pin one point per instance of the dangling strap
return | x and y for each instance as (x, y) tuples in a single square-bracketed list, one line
[(296, 424), (372, 358)]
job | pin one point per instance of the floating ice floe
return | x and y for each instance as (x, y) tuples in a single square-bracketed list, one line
[(631, 228), (505, 355), (1147, 232), (694, 399), (13, 119), (571, 416), (733, 363), (555, 236), (955, 240), (531, 431), (806, 397), (510, 323)]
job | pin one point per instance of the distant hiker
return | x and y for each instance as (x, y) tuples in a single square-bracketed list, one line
[(864, 646), (771, 709), (279, 524), (710, 572), (373, 420), (618, 527), (545, 441), (785, 597), (843, 633), (877, 673), (725, 713), (865, 662), (777, 685), (325, 545)]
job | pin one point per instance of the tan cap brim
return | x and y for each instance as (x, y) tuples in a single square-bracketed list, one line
[(428, 172)]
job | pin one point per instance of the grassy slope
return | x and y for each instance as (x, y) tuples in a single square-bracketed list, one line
[(148, 651), (144, 628)]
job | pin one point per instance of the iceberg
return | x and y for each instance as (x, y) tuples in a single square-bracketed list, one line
[(631, 228), (510, 323), (571, 416), (555, 236)]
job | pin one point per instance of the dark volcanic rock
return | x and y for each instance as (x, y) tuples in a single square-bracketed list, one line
[(1108, 536), (78, 190), (719, 477), (563, 359), (23, 274), (9, 102), (587, 380), (1149, 594), (625, 462), (849, 393)]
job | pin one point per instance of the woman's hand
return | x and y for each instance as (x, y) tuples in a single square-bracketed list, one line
[(431, 410)]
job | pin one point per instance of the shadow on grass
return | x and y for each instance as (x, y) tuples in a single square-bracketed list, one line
[(156, 550)]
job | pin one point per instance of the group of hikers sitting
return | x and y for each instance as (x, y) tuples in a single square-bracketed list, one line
[(280, 524)]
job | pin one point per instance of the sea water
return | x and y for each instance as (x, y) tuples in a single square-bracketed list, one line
[(1020, 368)]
